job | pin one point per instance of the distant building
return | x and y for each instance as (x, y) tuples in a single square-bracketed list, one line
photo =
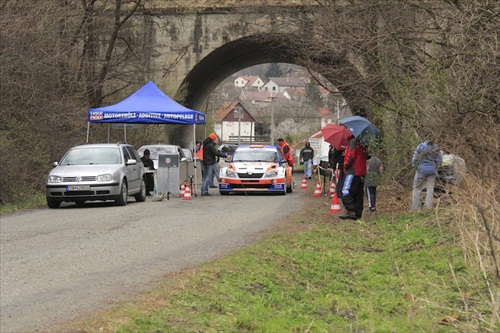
[(295, 94), (233, 120), (249, 82), (280, 84), (258, 97)]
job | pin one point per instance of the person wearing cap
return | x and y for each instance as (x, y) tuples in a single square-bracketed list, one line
[(210, 153), (148, 164)]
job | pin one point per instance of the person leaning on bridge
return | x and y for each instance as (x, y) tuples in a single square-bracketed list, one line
[(210, 154)]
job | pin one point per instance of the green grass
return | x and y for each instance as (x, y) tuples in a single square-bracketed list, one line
[(391, 274)]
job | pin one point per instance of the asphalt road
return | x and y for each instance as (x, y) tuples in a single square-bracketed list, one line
[(58, 265)]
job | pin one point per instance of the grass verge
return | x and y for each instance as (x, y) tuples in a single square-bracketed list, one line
[(402, 273), (36, 200)]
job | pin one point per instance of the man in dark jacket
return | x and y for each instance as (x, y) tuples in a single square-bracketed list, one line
[(148, 164), (210, 154), (306, 155)]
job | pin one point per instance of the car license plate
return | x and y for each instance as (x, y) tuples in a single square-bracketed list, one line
[(78, 188)]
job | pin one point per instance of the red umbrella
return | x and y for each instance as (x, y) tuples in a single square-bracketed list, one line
[(337, 135)]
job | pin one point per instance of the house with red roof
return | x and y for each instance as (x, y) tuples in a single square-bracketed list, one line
[(249, 82), (233, 121)]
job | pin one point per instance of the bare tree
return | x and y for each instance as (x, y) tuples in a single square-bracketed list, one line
[(57, 57)]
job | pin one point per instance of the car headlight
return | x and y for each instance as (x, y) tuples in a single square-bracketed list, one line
[(230, 174), (54, 179), (271, 173), (104, 178)]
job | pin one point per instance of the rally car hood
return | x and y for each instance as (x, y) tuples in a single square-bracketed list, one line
[(252, 167)]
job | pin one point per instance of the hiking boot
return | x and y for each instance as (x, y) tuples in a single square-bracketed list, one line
[(349, 215)]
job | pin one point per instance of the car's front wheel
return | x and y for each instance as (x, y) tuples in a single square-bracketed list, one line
[(53, 203), (141, 196), (123, 197)]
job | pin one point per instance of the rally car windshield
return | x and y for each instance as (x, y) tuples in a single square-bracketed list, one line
[(255, 156)]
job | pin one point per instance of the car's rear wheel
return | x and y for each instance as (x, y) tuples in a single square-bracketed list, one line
[(123, 197), (53, 203), (141, 196)]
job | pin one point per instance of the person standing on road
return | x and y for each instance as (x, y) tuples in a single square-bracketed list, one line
[(353, 184), (426, 159), (209, 155), (198, 153), (306, 155), (149, 177), (287, 151), (374, 169), (216, 166)]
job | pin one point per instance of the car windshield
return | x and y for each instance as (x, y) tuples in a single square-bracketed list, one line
[(254, 156), (90, 156)]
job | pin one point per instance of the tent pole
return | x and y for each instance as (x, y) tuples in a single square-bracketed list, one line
[(194, 159), (88, 126)]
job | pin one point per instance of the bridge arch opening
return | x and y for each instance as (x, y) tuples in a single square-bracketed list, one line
[(240, 54), (237, 55)]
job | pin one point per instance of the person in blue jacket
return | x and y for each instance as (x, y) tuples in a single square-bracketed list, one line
[(426, 159)]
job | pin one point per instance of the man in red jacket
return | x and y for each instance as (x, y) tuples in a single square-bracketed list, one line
[(353, 184), (287, 151)]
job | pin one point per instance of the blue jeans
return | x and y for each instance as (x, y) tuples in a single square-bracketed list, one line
[(208, 176), (308, 168), (216, 174)]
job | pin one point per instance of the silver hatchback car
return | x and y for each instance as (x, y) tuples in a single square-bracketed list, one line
[(97, 172)]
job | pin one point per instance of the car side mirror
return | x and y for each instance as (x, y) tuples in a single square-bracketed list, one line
[(183, 159), (54, 164), (131, 162)]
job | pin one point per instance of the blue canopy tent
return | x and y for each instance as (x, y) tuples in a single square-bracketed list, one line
[(148, 105)]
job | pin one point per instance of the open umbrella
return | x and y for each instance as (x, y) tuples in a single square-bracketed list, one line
[(337, 135), (362, 129)]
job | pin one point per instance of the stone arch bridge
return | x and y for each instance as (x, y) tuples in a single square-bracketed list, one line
[(193, 50)]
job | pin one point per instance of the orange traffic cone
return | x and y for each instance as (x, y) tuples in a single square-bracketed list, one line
[(187, 194), (317, 191), (304, 184), (335, 207), (332, 187), (183, 190)]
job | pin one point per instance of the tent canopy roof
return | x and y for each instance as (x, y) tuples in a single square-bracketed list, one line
[(148, 105)]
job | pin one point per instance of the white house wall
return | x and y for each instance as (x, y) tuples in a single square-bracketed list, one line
[(230, 128)]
